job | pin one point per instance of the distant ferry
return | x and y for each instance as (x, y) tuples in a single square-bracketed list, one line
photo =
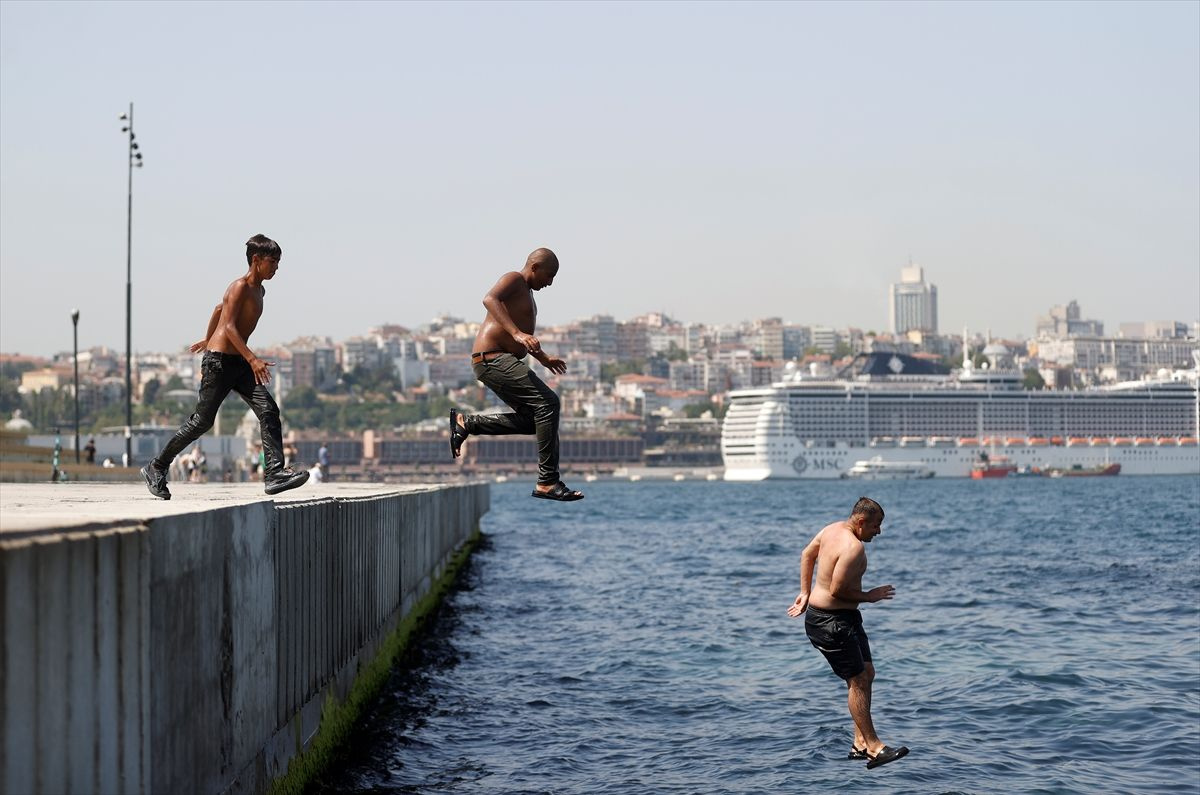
[(878, 469), (908, 410)]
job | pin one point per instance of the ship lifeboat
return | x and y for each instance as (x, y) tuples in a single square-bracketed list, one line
[(883, 441), (941, 441), (988, 441), (1187, 441), (1039, 441), (1015, 441), (1057, 441), (1076, 441), (912, 441), (1143, 441), (1122, 442), (968, 442), (1098, 441)]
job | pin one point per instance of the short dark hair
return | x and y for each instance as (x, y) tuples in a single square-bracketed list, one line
[(263, 246), (868, 509), (543, 256)]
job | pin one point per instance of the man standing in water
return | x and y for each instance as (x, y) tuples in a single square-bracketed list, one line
[(230, 365), (498, 361), (834, 624)]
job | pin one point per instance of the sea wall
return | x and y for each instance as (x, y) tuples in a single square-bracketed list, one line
[(199, 652)]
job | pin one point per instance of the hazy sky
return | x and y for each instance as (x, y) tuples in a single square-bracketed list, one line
[(718, 162)]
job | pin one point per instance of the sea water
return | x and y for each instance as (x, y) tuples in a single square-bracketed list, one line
[(1044, 638)]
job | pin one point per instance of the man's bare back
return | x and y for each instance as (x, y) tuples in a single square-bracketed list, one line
[(841, 553)]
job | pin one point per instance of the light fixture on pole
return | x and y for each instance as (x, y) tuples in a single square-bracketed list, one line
[(75, 325), (135, 159)]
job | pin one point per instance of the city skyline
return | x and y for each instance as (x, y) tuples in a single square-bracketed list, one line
[(715, 162), (420, 329)]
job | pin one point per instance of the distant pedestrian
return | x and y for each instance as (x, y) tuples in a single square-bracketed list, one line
[(55, 473), (230, 365), (834, 624), (89, 450), (323, 461), (504, 339)]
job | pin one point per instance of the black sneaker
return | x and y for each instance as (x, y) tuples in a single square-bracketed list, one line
[(284, 479), (156, 480)]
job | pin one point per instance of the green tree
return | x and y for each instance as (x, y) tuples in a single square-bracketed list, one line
[(676, 354), (1033, 379), (610, 370), (10, 398), (694, 410)]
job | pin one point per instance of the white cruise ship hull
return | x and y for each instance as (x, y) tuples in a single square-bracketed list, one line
[(789, 460), (820, 428)]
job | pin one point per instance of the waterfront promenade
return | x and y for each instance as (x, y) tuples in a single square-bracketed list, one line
[(222, 641)]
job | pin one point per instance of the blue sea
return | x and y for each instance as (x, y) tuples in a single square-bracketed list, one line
[(1044, 638)]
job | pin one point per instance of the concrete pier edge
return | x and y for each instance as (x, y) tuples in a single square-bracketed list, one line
[(339, 718), (219, 642)]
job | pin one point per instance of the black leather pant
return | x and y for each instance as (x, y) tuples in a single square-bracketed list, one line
[(535, 409), (220, 374)]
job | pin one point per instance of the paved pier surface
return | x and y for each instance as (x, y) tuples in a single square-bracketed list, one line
[(34, 508)]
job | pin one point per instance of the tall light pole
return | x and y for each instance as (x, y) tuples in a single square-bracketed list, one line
[(135, 158), (75, 324)]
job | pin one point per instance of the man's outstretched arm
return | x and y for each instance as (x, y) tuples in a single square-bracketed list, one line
[(846, 581), (808, 563), (196, 347)]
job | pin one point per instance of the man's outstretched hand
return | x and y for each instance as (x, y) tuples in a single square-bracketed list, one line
[(798, 606), (529, 342), (261, 374)]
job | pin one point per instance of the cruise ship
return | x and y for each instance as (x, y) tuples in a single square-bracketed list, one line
[(905, 409)]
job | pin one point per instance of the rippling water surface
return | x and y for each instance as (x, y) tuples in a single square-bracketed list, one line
[(1044, 638)]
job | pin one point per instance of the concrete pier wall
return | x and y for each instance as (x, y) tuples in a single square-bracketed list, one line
[(197, 652)]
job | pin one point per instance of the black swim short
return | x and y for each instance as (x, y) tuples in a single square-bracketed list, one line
[(839, 635)]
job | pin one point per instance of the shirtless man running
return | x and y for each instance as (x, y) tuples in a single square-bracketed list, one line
[(230, 365), (834, 624), (504, 339)]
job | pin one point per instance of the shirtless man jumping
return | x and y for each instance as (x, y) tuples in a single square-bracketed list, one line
[(230, 365), (834, 624), (498, 361)]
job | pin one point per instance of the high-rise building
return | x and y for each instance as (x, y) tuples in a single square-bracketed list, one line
[(1067, 321), (912, 303)]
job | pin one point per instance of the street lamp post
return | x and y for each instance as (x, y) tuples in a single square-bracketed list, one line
[(135, 159), (75, 325)]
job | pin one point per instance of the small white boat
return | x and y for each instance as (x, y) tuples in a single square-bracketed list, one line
[(878, 469), (680, 476)]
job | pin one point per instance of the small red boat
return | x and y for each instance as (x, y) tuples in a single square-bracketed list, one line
[(992, 467)]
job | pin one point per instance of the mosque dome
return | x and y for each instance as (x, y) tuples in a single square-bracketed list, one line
[(18, 423)]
